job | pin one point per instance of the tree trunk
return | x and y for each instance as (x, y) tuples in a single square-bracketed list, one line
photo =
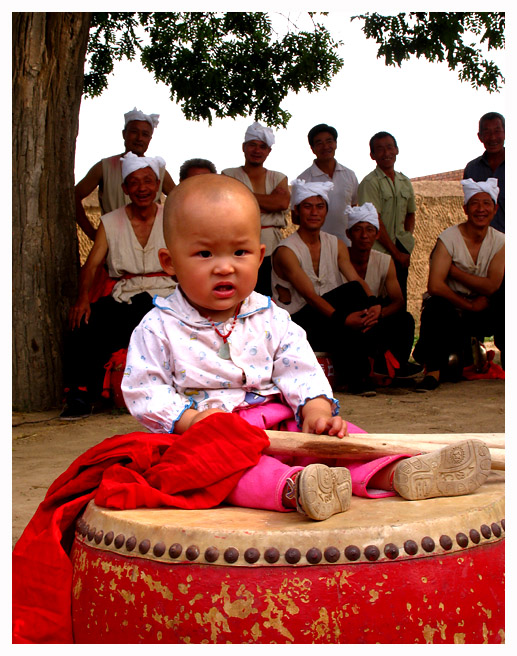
[(48, 67)]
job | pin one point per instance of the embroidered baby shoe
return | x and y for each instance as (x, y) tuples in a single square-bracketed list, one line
[(448, 472), (322, 491)]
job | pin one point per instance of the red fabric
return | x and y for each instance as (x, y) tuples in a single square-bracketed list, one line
[(116, 362), (102, 284), (490, 369), (493, 371), (125, 471), (128, 276), (391, 363)]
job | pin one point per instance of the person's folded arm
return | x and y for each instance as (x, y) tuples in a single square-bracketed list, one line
[(277, 201), (482, 285)]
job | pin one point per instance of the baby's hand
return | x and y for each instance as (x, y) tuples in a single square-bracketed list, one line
[(317, 418), (329, 425)]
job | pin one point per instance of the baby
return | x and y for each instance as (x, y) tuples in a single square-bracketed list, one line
[(216, 346)]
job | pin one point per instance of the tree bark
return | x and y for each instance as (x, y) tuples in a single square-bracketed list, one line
[(48, 67)]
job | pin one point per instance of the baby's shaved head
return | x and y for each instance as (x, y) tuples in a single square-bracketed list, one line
[(206, 195)]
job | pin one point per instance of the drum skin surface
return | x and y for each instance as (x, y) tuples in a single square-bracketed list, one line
[(387, 571)]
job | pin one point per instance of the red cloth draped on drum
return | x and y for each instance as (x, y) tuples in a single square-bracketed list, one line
[(124, 471)]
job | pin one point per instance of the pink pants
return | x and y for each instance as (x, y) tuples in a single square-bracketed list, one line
[(261, 486)]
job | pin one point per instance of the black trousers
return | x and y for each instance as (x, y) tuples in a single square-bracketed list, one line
[(351, 349), (402, 272), (444, 330), (89, 347)]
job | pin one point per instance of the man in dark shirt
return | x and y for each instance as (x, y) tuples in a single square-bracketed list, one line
[(491, 163)]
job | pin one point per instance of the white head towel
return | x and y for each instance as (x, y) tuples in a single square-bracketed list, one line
[(301, 189), (131, 163), (471, 188), (366, 212), (260, 133), (136, 115)]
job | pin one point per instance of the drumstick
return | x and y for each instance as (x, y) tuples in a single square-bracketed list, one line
[(360, 446), (492, 440)]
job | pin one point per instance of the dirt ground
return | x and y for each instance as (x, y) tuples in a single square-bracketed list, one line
[(44, 446)]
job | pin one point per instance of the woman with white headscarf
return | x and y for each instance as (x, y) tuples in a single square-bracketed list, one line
[(129, 239)]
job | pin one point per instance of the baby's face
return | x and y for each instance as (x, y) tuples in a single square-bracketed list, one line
[(215, 253)]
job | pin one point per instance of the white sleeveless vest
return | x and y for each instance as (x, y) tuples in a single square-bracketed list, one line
[(329, 276)]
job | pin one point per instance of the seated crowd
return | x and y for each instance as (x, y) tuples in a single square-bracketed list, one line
[(341, 274)]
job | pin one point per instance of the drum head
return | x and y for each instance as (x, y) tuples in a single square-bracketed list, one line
[(372, 530)]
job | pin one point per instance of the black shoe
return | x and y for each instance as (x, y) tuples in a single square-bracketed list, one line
[(428, 384), (408, 370), (76, 408)]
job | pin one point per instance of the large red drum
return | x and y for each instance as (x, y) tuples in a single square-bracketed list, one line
[(386, 571)]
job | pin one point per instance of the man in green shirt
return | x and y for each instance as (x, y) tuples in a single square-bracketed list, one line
[(392, 194)]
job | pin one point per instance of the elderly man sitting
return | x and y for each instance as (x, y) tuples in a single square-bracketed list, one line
[(394, 333), (130, 238), (310, 269), (464, 297)]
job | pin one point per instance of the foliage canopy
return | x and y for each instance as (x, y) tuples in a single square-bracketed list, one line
[(216, 64), (235, 64), (441, 36)]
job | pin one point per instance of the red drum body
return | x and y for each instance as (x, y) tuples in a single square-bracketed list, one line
[(387, 571)]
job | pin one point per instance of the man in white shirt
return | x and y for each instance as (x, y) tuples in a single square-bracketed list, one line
[(323, 142)]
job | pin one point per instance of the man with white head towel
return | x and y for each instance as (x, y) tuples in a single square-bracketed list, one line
[(107, 173), (270, 189), (129, 239), (396, 329), (310, 273), (465, 295)]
